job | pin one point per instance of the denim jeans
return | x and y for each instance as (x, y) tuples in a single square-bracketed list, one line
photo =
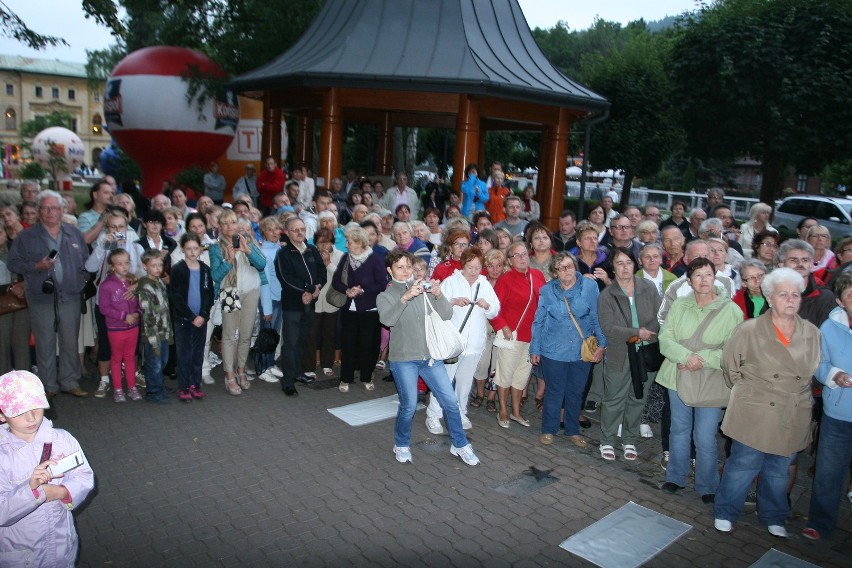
[(405, 375), (565, 384), (153, 369), (832, 463), (744, 463), (699, 425), (189, 342)]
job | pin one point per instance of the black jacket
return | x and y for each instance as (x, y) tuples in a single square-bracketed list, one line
[(178, 292), (298, 273)]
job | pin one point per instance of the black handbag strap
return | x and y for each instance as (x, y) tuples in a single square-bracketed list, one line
[(472, 305)]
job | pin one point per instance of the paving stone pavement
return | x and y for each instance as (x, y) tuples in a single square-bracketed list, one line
[(266, 480)]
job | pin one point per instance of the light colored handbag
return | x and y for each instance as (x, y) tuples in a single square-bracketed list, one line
[(442, 338), (704, 388), (590, 344)]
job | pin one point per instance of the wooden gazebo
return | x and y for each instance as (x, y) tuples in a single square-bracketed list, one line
[(472, 65)]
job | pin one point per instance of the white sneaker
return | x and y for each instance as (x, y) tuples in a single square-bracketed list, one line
[(370, 386), (275, 371), (722, 525), (214, 359), (402, 454), (664, 463), (207, 380), (434, 426), (140, 379), (102, 389), (777, 530), (268, 377), (466, 425), (466, 454), (343, 387), (645, 431)]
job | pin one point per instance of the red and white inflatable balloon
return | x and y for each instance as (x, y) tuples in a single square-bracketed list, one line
[(148, 115)]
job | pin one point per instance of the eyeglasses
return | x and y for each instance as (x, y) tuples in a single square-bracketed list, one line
[(619, 227), (520, 255), (769, 244), (821, 236), (568, 268), (756, 278), (461, 244)]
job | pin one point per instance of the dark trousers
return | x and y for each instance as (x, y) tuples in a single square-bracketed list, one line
[(360, 345), (189, 342), (295, 328), (322, 336)]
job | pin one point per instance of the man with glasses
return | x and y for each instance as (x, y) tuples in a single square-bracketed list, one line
[(53, 284), (302, 274), (817, 301), (622, 235), (653, 214)]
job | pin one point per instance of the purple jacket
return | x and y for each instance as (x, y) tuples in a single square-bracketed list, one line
[(113, 306), (33, 532)]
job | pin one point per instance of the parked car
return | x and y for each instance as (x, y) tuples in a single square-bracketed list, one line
[(835, 213)]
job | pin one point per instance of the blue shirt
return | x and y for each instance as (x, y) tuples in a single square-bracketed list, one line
[(193, 297)]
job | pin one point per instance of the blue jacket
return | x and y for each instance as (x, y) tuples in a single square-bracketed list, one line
[(474, 196), (553, 333), (219, 268), (836, 356)]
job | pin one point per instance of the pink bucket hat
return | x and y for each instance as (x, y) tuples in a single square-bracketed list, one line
[(20, 392)]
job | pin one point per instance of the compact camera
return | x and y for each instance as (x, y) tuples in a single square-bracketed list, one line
[(119, 236), (66, 464), (426, 286), (48, 286)]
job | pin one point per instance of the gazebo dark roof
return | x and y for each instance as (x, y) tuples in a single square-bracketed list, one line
[(445, 46)]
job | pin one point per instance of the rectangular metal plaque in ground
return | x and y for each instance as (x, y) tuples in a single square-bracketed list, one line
[(527, 482), (369, 411), (777, 559), (626, 538)]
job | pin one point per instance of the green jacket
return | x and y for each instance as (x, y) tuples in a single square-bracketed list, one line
[(682, 321), (156, 321)]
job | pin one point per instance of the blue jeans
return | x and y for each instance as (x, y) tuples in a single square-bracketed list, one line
[(565, 382), (405, 375), (832, 463), (746, 462), (189, 343), (153, 369), (699, 425)]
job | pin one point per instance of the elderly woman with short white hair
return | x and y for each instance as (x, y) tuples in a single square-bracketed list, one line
[(328, 220), (758, 221), (405, 240), (768, 362), (648, 232)]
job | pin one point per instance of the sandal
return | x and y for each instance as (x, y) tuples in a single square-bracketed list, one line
[(380, 365), (608, 453), (231, 387), (546, 439), (577, 440), (243, 381), (477, 401), (491, 406), (539, 404), (630, 453)]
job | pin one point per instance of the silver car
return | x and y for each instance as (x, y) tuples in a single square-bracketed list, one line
[(835, 213)]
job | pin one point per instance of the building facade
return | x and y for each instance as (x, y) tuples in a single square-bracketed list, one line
[(31, 87)]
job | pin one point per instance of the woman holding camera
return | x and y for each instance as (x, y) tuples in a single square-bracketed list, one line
[(236, 266), (114, 236)]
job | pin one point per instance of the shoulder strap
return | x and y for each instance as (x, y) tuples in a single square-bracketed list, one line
[(472, 305), (528, 303), (46, 450), (564, 299), (694, 341)]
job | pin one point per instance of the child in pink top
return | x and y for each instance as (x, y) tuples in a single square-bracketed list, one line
[(120, 308)]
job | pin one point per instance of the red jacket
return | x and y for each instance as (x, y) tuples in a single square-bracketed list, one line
[(513, 290), (270, 184)]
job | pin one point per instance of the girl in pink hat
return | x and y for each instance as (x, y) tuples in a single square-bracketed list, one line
[(36, 526)]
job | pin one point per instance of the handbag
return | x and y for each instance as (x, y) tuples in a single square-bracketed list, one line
[(10, 303), (704, 388), (500, 341), (442, 338), (267, 340), (590, 344), (332, 296), (229, 295)]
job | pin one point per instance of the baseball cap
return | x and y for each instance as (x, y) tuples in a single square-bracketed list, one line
[(20, 392)]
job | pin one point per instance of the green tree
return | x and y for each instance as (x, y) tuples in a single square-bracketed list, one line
[(642, 129), (769, 79), (12, 26), (29, 128), (837, 174)]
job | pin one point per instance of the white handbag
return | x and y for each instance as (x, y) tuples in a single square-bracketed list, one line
[(442, 338)]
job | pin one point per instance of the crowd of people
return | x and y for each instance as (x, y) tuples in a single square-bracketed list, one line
[(689, 321)]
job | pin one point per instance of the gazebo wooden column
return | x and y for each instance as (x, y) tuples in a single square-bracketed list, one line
[(543, 183), (270, 136), (304, 139), (467, 137), (331, 138), (384, 149), (552, 200)]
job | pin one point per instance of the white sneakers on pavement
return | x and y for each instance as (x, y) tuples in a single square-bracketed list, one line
[(434, 426), (267, 376), (402, 454), (466, 454)]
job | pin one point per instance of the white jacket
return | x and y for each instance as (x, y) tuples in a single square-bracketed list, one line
[(476, 328)]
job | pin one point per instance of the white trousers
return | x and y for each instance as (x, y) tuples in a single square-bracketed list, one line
[(462, 372)]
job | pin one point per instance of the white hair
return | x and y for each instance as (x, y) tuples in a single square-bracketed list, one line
[(781, 275)]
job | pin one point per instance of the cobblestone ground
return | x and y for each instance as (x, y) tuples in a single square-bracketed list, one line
[(267, 480)]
